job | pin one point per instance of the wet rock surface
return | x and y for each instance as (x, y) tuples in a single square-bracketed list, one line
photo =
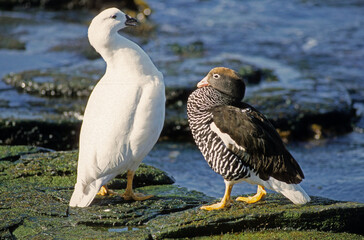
[(36, 188), (275, 212), (52, 83), (307, 110), (9, 39)]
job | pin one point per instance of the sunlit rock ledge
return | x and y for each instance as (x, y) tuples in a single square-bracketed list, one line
[(36, 185)]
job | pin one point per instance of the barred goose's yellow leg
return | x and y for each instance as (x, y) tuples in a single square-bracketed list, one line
[(260, 194), (225, 201)]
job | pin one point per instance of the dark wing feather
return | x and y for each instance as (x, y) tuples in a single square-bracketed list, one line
[(264, 149)]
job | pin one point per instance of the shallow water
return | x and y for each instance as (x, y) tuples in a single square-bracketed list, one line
[(319, 40), (333, 168)]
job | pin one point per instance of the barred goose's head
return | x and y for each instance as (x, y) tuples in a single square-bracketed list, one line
[(226, 81)]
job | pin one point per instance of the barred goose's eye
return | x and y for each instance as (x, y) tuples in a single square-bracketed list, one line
[(216, 76)]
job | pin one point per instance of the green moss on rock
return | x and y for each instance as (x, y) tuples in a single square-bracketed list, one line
[(8, 39), (282, 235), (49, 130), (35, 190), (51, 83), (10, 153), (80, 46), (144, 176), (275, 212), (11, 42), (304, 111), (193, 49)]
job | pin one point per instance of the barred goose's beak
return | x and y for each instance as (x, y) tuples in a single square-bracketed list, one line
[(203, 82)]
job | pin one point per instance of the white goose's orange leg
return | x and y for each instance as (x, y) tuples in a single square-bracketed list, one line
[(104, 191), (129, 193), (225, 201), (258, 196)]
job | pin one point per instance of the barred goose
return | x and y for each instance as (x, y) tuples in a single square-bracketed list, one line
[(238, 142)]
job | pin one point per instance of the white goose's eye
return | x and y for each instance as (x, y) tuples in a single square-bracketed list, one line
[(113, 16), (216, 76)]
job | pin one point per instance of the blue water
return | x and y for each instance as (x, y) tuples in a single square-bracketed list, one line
[(319, 40), (333, 168)]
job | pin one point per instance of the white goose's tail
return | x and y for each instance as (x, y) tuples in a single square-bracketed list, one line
[(293, 192), (84, 194)]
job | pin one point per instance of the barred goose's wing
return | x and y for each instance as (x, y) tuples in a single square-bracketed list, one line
[(248, 134)]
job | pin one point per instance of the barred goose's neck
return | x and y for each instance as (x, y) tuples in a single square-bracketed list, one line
[(203, 99)]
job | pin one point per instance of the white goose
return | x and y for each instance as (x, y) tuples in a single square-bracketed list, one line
[(124, 114)]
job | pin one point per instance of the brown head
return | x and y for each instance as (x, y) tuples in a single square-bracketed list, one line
[(226, 81)]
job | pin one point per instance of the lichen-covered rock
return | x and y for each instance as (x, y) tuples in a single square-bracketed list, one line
[(305, 109), (35, 189), (52, 83), (282, 235), (9, 39), (53, 131), (275, 212), (193, 49), (64, 164), (11, 153)]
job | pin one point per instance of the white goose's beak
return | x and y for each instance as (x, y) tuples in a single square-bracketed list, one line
[(203, 83), (130, 21)]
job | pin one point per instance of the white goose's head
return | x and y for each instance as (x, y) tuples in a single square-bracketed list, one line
[(106, 25)]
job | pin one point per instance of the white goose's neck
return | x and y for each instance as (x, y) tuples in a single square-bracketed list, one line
[(125, 58)]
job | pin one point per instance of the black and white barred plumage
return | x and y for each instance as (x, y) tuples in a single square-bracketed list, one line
[(239, 142), (219, 158)]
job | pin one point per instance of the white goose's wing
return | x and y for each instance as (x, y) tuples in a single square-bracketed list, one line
[(104, 139)]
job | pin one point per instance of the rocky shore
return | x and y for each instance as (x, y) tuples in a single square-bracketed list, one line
[(36, 185), (43, 107)]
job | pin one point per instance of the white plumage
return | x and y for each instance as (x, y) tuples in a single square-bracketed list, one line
[(293, 192), (125, 112)]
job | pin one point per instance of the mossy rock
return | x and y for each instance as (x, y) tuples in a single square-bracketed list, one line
[(80, 46), (144, 176), (40, 167), (275, 212), (50, 215), (51, 83), (36, 187), (9, 42), (8, 39), (54, 131), (306, 110), (282, 235), (254, 75), (44, 164), (11, 153), (193, 49)]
